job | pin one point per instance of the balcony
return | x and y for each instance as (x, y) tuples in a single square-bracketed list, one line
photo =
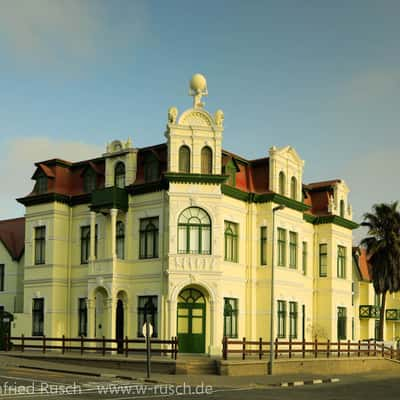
[(110, 197), (392, 314), (368, 311)]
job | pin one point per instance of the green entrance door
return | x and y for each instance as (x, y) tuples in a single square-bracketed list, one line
[(191, 321)]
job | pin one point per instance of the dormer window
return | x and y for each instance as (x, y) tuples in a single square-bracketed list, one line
[(41, 183), (184, 159), (151, 168), (89, 181), (282, 183), (206, 160), (119, 177), (293, 188)]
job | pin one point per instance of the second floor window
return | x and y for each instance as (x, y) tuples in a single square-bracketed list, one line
[(293, 249), (85, 243), (281, 247), (148, 238), (120, 239), (263, 245), (231, 241), (323, 260), (119, 175), (1, 277), (40, 245), (194, 232), (341, 262), (184, 159)]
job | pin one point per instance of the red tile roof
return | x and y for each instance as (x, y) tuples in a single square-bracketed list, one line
[(12, 235), (362, 263)]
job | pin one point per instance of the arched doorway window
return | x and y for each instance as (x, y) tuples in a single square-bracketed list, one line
[(194, 232), (206, 160), (119, 175), (191, 321), (184, 159)]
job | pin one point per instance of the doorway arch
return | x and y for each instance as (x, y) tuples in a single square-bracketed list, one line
[(191, 321)]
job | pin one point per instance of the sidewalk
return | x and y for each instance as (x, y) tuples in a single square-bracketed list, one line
[(140, 376)]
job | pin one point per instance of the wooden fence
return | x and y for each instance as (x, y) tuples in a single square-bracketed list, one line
[(303, 349), (100, 345)]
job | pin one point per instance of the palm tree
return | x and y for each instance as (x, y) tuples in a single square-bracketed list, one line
[(383, 251)]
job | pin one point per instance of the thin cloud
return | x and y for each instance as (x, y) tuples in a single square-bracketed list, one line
[(68, 31), (18, 166)]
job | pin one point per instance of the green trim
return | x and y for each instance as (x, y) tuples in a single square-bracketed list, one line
[(44, 198), (110, 197), (235, 193), (147, 187), (335, 219), (195, 178), (309, 218)]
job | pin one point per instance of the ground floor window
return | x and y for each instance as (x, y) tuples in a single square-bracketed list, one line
[(230, 317), (281, 319), (37, 317), (147, 311), (341, 323), (293, 319), (377, 325), (82, 310)]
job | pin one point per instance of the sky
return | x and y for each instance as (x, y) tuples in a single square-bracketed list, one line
[(321, 76)]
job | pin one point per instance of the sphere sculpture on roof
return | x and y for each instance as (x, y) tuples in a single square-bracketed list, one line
[(198, 88)]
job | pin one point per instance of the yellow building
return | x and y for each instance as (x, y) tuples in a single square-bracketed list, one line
[(182, 233)]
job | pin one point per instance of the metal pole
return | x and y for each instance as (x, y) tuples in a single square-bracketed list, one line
[(148, 352), (272, 300)]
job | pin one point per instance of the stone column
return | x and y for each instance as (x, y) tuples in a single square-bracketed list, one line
[(113, 213), (92, 253)]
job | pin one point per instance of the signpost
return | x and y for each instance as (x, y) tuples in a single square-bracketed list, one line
[(147, 331)]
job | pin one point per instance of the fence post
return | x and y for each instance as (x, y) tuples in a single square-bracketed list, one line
[(276, 348), (44, 343), (82, 344), (224, 348), (348, 348), (316, 348), (104, 346), (338, 347), (22, 342), (260, 352), (176, 347), (6, 340), (63, 344), (369, 347), (290, 347), (303, 347), (391, 352), (126, 346), (328, 348), (383, 350), (375, 348), (359, 348), (244, 349)]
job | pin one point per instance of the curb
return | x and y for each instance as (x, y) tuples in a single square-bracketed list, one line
[(309, 382)]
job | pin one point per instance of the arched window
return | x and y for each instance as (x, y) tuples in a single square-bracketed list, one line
[(151, 168), (194, 232), (231, 241), (342, 208), (119, 177), (184, 159), (293, 188), (89, 181), (206, 160), (120, 240), (282, 183), (41, 183)]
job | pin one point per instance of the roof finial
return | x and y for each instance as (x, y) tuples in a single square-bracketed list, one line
[(198, 88)]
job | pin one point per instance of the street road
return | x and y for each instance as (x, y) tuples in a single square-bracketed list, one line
[(21, 383)]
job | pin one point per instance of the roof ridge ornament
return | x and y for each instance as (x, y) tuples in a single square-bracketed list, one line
[(198, 88)]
